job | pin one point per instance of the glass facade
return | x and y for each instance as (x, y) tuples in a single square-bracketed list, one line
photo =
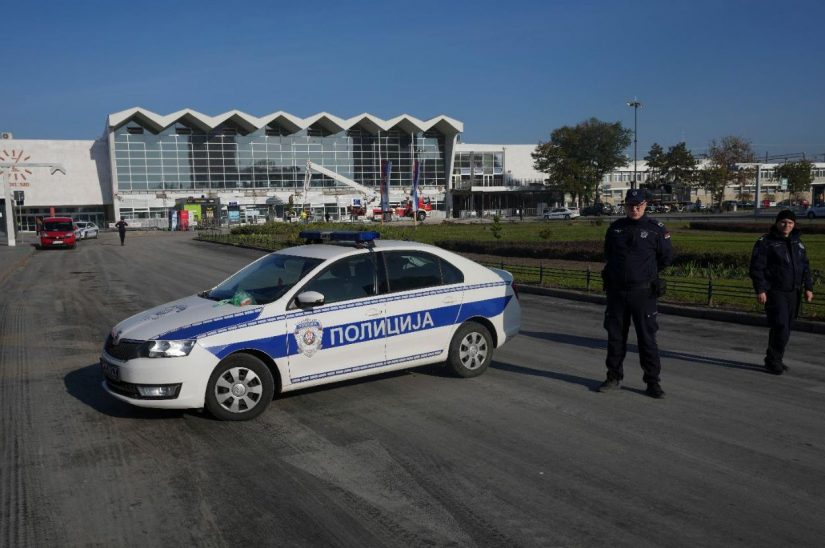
[(183, 157), (478, 169)]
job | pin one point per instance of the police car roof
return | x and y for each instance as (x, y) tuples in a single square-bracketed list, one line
[(331, 250)]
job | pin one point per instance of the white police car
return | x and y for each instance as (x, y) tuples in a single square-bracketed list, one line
[(310, 315)]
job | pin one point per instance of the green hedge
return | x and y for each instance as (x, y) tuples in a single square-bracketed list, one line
[(592, 251), (805, 226)]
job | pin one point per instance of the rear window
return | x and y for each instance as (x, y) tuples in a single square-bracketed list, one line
[(58, 226)]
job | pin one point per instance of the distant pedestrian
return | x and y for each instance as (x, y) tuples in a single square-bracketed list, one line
[(121, 229), (636, 249), (327, 216), (781, 274)]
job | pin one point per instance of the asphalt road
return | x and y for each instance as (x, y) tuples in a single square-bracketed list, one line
[(525, 455)]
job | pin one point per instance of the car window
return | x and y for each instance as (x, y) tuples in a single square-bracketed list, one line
[(406, 270), (58, 226), (346, 279), (265, 280), (450, 274)]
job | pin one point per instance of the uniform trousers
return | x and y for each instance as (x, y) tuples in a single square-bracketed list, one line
[(639, 305), (781, 309)]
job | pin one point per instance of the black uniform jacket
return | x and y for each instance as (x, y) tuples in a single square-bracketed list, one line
[(635, 252), (780, 263)]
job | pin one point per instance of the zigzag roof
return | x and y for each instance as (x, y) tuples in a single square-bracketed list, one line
[(159, 122)]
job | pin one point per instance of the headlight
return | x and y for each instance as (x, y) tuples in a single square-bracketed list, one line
[(167, 349)]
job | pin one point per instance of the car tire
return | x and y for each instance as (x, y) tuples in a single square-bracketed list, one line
[(471, 350), (567, 217), (240, 388)]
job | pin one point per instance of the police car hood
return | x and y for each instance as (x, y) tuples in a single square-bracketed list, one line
[(186, 318)]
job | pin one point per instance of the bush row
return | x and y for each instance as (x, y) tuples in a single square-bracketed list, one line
[(761, 227), (592, 251)]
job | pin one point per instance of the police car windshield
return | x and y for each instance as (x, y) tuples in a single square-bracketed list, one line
[(265, 280)]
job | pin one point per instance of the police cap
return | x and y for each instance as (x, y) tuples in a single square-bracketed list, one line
[(635, 196)]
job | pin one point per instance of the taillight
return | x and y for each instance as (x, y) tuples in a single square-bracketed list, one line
[(515, 290)]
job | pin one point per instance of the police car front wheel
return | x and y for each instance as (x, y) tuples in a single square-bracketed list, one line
[(471, 350), (240, 388)]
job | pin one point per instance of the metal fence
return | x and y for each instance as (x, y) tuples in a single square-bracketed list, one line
[(726, 294)]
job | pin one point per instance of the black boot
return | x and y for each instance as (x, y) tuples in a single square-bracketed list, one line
[(774, 367), (654, 390), (609, 385)]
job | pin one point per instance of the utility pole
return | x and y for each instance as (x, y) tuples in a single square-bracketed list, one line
[(635, 104)]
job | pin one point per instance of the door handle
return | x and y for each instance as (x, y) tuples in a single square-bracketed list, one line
[(372, 312), (449, 300)]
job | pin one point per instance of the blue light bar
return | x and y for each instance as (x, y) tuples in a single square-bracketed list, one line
[(339, 235)]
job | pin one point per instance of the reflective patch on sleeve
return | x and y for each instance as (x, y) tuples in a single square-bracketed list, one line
[(667, 235)]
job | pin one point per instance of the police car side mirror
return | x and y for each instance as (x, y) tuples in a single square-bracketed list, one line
[(309, 299)]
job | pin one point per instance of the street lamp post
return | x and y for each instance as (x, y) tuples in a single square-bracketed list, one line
[(635, 104), (7, 167)]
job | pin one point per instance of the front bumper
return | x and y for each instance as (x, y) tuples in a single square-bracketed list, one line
[(185, 376)]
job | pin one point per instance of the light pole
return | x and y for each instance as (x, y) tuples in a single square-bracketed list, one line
[(7, 168), (635, 104)]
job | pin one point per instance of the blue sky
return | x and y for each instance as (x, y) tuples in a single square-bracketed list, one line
[(511, 71)]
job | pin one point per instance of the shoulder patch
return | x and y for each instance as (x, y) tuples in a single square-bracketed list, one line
[(667, 235), (661, 224)]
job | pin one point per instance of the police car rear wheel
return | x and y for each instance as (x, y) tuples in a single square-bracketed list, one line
[(240, 388), (471, 350)]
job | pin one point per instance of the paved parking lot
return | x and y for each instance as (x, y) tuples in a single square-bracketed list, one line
[(525, 455)]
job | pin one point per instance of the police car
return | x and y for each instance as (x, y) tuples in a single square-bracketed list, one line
[(345, 305)]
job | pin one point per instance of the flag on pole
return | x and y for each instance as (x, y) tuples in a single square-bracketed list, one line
[(386, 171), (414, 190)]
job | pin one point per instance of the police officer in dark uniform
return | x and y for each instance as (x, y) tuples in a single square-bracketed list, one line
[(636, 249), (780, 272)]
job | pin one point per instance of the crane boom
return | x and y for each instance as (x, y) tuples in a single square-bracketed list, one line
[(369, 194)]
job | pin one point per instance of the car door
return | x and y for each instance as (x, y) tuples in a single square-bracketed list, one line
[(425, 296), (344, 336)]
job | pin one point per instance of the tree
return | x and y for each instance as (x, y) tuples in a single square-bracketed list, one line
[(655, 163), (722, 170), (798, 174), (577, 158), (679, 167)]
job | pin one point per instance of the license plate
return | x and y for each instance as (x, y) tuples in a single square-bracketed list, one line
[(110, 371), (58, 241)]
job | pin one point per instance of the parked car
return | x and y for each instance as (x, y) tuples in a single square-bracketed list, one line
[(562, 213), (85, 229), (597, 209), (814, 211), (344, 306), (57, 232)]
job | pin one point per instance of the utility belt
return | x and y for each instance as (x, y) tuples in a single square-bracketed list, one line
[(657, 287)]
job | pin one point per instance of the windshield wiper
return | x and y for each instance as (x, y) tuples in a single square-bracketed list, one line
[(207, 294)]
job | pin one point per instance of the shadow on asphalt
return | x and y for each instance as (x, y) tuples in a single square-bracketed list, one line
[(85, 385), (590, 384), (601, 344)]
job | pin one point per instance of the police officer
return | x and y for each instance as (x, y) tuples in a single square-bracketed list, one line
[(121, 229), (636, 249), (780, 271)]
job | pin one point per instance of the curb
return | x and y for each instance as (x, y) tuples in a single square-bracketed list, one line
[(678, 310)]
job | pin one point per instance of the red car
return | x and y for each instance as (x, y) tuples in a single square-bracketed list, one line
[(57, 232)]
